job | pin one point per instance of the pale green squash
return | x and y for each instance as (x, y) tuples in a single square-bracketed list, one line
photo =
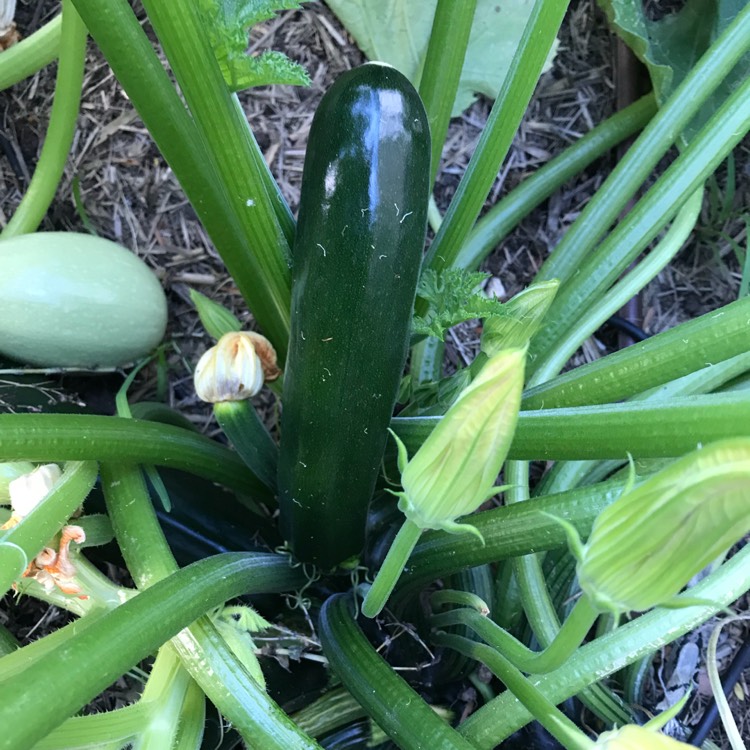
[(76, 300)]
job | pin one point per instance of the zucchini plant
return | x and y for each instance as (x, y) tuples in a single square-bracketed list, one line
[(303, 527)]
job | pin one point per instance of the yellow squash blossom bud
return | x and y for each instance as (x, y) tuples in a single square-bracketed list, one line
[(524, 315), (631, 737), (235, 368), (455, 469), (647, 545)]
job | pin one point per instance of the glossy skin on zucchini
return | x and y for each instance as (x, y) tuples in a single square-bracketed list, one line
[(76, 300), (356, 260)]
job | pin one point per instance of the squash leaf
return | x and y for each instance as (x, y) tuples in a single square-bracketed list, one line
[(453, 296), (227, 25), (397, 32), (670, 47)]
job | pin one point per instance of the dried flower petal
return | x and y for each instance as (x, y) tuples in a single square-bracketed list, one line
[(52, 568), (264, 349)]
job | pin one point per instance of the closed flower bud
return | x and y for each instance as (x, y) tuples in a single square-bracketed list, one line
[(235, 368), (631, 737), (646, 546), (523, 317), (28, 490), (454, 471)]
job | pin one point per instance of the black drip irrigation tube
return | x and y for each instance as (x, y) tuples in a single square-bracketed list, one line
[(626, 326), (739, 664)]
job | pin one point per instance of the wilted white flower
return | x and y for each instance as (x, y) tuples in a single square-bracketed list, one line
[(235, 368), (28, 490)]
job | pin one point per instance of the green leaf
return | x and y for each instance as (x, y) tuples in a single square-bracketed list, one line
[(397, 32), (453, 297), (216, 319), (237, 625), (671, 46), (227, 24)]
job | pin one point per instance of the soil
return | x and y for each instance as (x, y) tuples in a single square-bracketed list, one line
[(130, 195)]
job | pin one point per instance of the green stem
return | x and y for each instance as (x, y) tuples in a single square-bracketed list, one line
[(393, 565), (427, 360), (86, 663), (568, 639), (231, 688), (565, 475), (62, 123), (462, 598), (31, 54), (128, 50), (254, 197), (633, 234), (98, 591), (517, 204), (638, 164), (691, 346), (491, 724), (396, 708), (97, 730), (508, 609), (155, 411), (141, 540), (14, 663), (165, 691), (23, 542), (475, 587), (63, 437), (537, 605), (192, 720), (443, 64), (8, 642), (332, 710), (226, 682), (662, 429), (544, 711), (250, 438), (594, 315), (511, 103), (508, 531)]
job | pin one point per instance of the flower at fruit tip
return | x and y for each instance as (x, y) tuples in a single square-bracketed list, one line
[(455, 469), (631, 737), (646, 546), (235, 368), (28, 490)]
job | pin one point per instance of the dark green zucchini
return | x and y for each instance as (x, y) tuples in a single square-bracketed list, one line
[(356, 259)]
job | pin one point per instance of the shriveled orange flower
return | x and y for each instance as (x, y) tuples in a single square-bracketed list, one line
[(54, 569)]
